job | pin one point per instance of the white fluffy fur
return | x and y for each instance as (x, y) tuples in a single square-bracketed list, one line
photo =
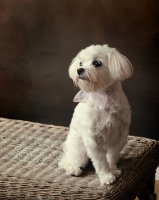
[(95, 133)]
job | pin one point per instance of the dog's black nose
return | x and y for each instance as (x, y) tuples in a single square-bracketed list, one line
[(80, 71)]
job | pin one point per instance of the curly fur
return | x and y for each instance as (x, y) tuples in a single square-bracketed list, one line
[(98, 134)]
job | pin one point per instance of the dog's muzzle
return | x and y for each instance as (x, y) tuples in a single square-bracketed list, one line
[(80, 71)]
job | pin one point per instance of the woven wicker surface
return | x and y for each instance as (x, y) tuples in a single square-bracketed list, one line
[(29, 155)]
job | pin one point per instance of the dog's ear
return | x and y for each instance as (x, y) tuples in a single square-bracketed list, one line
[(73, 68), (119, 66), (73, 61)]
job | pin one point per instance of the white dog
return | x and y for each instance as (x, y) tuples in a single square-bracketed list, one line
[(100, 123)]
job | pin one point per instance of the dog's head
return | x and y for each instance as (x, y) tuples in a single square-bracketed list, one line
[(97, 67)]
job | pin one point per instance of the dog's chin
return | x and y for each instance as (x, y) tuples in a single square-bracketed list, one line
[(90, 85), (81, 80), (86, 85)]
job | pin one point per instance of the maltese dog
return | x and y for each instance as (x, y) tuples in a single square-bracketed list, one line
[(101, 120)]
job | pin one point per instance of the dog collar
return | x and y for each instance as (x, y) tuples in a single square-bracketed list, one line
[(99, 98)]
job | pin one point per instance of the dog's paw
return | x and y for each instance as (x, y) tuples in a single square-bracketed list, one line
[(74, 171), (70, 168), (107, 178), (117, 172)]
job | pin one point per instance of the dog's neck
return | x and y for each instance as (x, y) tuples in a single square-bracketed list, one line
[(111, 88), (99, 98)]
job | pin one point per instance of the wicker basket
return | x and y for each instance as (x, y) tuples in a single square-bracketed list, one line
[(29, 154)]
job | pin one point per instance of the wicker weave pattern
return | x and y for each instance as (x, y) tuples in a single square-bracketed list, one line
[(29, 154)]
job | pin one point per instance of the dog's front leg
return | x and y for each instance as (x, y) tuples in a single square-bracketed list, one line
[(98, 157), (75, 156)]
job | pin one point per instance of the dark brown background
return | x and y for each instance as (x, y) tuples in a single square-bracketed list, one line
[(39, 38)]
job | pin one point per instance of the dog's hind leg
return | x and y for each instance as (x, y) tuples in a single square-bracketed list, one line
[(112, 158), (112, 155), (75, 156)]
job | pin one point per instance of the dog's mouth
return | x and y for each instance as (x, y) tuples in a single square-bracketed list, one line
[(84, 78)]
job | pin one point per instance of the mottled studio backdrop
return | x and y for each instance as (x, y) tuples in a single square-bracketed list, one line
[(39, 38)]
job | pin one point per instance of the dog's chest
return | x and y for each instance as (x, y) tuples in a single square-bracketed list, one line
[(89, 118)]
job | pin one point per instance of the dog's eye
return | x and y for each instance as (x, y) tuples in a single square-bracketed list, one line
[(97, 63), (80, 64)]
